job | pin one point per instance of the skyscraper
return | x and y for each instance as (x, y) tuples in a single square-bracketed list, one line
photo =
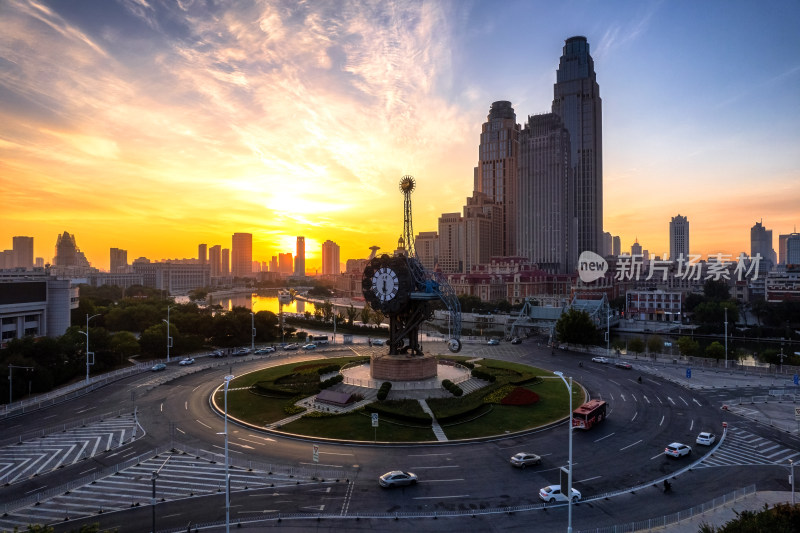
[(118, 261), (285, 263), (242, 255), (616, 245), (678, 237), (483, 231), (793, 249), (546, 222), (225, 263), (215, 260), (202, 255), (300, 257), (451, 239), (496, 173), (426, 243), (636, 248), (576, 101), (67, 252), (330, 258), (273, 264), (607, 244), (761, 243), (23, 251)]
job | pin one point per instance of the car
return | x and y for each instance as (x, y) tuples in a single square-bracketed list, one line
[(291, 346), (676, 449), (706, 439), (187, 361), (310, 346), (562, 346), (264, 351), (378, 342), (600, 359), (523, 459), (516, 340), (493, 342), (397, 478), (626, 366), (552, 493), (159, 366), (217, 353)]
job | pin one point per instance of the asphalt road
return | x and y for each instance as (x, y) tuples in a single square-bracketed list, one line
[(624, 451)]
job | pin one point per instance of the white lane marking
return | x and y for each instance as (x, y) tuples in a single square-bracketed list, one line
[(179, 429), (433, 467), (601, 438), (587, 479), (634, 398), (695, 401), (634, 416), (659, 400), (614, 382), (202, 423), (662, 420), (334, 453), (222, 448), (645, 399), (691, 425), (622, 396), (84, 410), (323, 464), (194, 389), (684, 401), (260, 437), (656, 456), (427, 454), (37, 488), (629, 445), (186, 405), (671, 400), (440, 480), (252, 441), (440, 497), (162, 407)]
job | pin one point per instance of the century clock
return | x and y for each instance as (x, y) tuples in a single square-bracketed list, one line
[(385, 284)]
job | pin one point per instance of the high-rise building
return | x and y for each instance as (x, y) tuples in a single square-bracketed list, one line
[(636, 249), (202, 253), (285, 263), (300, 257), (577, 102), (23, 252), (118, 261), (496, 173), (225, 262), (68, 253), (242, 255), (546, 232), (426, 244), (273, 264), (483, 231), (761, 244), (617, 246), (39, 263), (451, 242), (678, 237), (215, 260), (330, 258), (793, 250), (607, 244)]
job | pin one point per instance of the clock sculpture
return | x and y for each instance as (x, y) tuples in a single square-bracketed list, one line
[(399, 287)]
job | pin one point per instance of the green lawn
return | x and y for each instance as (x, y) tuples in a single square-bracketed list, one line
[(358, 426)]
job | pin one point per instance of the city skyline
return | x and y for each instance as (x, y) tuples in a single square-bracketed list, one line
[(281, 121)]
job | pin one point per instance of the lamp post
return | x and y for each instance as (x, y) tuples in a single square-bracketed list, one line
[(89, 355), (252, 332), (791, 465), (726, 337), (228, 379), (169, 339), (11, 379), (155, 476), (569, 473), (608, 334)]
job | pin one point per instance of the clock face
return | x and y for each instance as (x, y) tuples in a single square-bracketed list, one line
[(385, 284)]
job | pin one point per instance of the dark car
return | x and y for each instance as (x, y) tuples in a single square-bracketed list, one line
[(217, 353), (516, 340), (523, 459), (626, 366), (159, 367)]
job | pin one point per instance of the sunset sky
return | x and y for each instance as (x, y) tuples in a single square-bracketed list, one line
[(155, 126)]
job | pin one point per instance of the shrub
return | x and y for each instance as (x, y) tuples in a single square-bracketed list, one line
[(498, 395), (520, 396), (293, 409), (383, 392), (482, 374), (338, 378)]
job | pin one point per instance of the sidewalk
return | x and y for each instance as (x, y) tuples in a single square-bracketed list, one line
[(722, 515)]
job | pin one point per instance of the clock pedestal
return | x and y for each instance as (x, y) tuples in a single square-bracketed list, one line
[(402, 367)]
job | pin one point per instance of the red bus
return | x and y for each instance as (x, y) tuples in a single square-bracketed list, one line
[(589, 414)]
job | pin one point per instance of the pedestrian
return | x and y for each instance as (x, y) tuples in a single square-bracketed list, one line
[(369, 340)]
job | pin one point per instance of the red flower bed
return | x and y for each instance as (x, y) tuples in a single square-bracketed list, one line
[(520, 396)]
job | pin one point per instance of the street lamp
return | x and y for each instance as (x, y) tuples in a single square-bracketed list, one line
[(169, 339), (228, 379), (252, 333), (155, 476), (11, 380), (791, 465), (726, 337), (89, 355), (569, 473)]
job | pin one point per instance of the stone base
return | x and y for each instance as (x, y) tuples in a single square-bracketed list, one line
[(402, 367)]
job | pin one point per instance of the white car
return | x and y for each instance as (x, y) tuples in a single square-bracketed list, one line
[(523, 459), (187, 361), (600, 359), (397, 478), (552, 493), (676, 449), (706, 439)]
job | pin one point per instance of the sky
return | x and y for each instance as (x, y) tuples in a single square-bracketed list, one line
[(154, 126)]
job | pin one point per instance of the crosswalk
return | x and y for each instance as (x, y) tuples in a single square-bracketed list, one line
[(742, 448), (38, 456), (179, 476)]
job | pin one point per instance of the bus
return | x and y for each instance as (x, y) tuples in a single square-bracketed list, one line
[(589, 414), (319, 339)]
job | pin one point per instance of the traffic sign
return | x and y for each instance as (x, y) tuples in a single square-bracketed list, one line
[(797, 379), (688, 373), (316, 453), (374, 420), (797, 413)]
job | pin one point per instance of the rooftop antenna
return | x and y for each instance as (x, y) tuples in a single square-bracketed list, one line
[(407, 185)]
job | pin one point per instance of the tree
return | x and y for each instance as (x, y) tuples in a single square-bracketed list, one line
[(352, 313), (655, 344), (377, 318), (124, 345), (715, 350), (636, 345), (327, 311), (783, 517), (716, 290), (688, 346), (365, 313), (576, 327)]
